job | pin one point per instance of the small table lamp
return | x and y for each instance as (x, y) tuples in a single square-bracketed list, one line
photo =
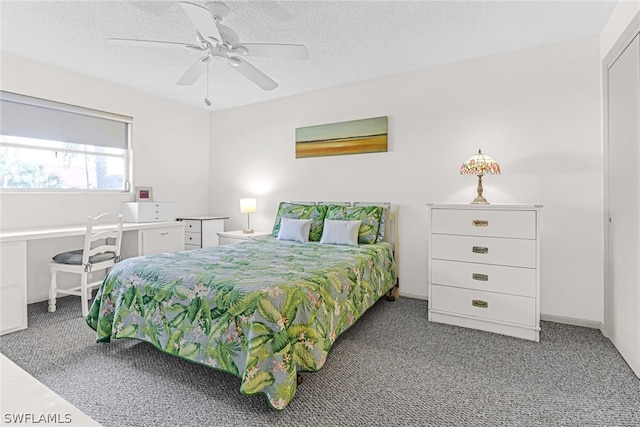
[(480, 165), (247, 206)]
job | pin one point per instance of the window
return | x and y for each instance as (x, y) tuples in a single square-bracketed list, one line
[(47, 145)]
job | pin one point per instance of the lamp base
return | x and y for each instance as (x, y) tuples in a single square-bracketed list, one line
[(248, 231), (480, 200)]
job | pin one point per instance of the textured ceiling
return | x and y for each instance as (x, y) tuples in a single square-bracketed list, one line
[(347, 40)]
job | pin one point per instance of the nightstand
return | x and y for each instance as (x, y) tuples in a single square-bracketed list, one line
[(237, 236), (202, 231)]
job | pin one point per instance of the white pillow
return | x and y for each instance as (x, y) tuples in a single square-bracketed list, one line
[(340, 232), (294, 229)]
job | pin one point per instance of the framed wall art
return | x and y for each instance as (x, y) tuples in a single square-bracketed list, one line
[(144, 194), (352, 137)]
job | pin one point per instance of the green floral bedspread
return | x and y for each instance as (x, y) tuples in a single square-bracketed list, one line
[(260, 310)]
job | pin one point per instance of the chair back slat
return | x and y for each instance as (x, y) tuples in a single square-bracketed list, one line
[(104, 234)]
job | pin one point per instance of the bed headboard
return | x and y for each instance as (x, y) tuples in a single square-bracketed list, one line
[(391, 221)]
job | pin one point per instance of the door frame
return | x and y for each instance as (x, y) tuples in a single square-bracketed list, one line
[(618, 48)]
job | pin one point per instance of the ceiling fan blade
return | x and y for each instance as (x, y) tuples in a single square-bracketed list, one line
[(194, 72), (287, 51), (202, 20), (252, 73), (152, 43), (228, 35)]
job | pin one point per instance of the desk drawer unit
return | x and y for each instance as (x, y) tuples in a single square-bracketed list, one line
[(484, 267), (202, 232), (148, 211), (160, 240)]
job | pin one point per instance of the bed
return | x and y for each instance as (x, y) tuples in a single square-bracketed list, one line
[(264, 309)]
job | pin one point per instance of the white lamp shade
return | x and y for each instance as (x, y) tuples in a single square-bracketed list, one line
[(247, 205)]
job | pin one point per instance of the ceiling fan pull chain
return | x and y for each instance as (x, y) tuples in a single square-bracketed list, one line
[(206, 100)]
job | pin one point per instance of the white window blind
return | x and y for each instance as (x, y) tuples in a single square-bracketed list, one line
[(37, 118), (51, 145)]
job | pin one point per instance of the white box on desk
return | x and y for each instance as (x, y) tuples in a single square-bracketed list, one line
[(148, 211)]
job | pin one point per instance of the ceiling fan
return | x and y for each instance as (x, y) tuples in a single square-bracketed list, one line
[(218, 41)]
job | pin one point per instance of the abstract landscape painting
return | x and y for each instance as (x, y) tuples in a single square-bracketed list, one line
[(353, 137)]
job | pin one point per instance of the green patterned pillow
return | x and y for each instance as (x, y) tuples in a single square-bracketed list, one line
[(371, 216), (315, 213)]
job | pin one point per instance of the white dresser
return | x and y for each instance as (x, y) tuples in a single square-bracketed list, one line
[(148, 211), (202, 231), (484, 267)]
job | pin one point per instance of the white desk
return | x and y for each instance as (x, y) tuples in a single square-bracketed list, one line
[(25, 256), (75, 230)]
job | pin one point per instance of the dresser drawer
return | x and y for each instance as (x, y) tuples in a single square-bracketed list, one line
[(193, 226), (484, 277), (485, 305), (482, 222), (192, 238), (484, 250)]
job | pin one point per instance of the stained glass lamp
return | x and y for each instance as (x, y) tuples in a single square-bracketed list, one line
[(480, 164)]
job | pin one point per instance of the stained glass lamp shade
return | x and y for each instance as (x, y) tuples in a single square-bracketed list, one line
[(480, 164)]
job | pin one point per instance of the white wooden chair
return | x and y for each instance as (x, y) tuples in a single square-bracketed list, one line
[(101, 251)]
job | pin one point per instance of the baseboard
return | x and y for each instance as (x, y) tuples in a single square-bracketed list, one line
[(593, 324), (414, 296), (571, 321)]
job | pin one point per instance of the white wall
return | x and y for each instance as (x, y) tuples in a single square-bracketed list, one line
[(171, 154), (536, 111)]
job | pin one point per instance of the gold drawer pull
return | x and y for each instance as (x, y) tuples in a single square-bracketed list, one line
[(480, 223), (165, 233), (478, 276), (480, 250), (479, 303)]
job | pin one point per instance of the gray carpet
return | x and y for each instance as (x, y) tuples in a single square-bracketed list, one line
[(392, 368)]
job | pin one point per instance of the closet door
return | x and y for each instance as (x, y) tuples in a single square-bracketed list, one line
[(622, 315)]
